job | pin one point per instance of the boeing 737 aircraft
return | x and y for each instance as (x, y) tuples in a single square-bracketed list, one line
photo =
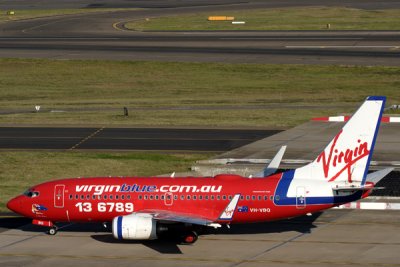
[(147, 207)]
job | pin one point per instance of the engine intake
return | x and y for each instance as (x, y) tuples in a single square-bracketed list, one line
[(134, 227)]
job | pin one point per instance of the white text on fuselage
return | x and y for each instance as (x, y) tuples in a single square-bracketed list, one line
[(135, 188)]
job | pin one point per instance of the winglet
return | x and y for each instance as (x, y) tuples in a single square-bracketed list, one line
[(228, 212), (273, 165)]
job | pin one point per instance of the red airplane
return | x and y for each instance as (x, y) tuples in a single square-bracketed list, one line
[(147, 207)]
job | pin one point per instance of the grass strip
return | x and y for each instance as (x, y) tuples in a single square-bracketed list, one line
[(21, 170), (199, 94), (293, 18), (40, 13)]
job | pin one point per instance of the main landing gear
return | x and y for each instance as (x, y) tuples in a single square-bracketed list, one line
[(189, 238)]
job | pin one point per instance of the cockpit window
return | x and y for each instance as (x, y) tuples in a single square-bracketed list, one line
[(30, 193)]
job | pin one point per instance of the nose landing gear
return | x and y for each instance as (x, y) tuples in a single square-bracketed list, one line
[(53, 230)]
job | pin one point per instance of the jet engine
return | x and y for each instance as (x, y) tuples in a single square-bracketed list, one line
[(141, 226), (134, 227)]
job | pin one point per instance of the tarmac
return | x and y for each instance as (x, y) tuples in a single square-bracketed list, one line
[(332, 238), (336, 237), (304, 143)]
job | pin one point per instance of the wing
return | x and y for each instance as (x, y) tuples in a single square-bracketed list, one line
[(272, 166), (172, 216)]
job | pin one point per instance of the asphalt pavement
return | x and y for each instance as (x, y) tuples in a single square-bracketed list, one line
[(103, 36), (157, 139)]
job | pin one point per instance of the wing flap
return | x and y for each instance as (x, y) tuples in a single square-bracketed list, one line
[(172, 216), (164, 215)]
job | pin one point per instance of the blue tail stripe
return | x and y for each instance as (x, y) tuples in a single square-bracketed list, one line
[(283, 200), (119, 227), (378, 124)]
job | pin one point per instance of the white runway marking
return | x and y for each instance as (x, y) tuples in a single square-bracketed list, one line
[(342, 46)]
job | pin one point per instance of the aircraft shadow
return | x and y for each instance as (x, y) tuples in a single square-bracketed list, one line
[(169, 245), (302, 224), (164, 246)]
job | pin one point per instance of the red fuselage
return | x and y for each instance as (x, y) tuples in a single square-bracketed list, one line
[(102, 199)]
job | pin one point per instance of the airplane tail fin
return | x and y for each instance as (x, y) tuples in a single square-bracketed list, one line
[(346, 158)]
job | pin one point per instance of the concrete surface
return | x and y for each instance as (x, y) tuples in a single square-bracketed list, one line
[(333, 238)]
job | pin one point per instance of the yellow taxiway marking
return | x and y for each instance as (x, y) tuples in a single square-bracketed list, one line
[(115, 26), (87, 138)]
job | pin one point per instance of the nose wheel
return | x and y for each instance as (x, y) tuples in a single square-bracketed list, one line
[(52, 231)]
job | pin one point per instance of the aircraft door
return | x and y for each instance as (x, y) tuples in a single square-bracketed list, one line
[(59, 196), (168, 199), (301, 197)]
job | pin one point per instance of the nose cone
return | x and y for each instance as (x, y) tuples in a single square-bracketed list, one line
[(14, 205)]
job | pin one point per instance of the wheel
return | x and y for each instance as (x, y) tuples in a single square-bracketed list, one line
[(190, 238), (52, 231)]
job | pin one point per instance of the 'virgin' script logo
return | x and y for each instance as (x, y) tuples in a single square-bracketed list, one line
[(348, 157)]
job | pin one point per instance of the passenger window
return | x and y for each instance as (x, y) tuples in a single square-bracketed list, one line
[(116, 197), (140, 197), (94, 197), (111, 196), (76, 197), (265, 197), (70, 196), (218, 197), (105, 197), (224, 197), (212, 197), (230, 197), (188, 197), (156, 197), (259, 197), (200, 197), (87, 196), (194, 197), (151, 197), (99, 197), (253, 197), (241, 197), (175, 197), (145, 197), (122, 197), (182, 197), (247, 197), (82, 197), (128, 197), (206, 197)]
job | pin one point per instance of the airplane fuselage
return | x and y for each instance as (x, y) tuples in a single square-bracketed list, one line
[(102, 199)]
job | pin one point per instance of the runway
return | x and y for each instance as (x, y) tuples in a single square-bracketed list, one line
[(157, 139), (102, 36)]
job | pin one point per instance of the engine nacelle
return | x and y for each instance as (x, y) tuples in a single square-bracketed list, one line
[(136, 226)]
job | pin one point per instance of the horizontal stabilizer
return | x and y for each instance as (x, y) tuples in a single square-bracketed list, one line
[(351, 188), (375, 177), (273, 165)]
